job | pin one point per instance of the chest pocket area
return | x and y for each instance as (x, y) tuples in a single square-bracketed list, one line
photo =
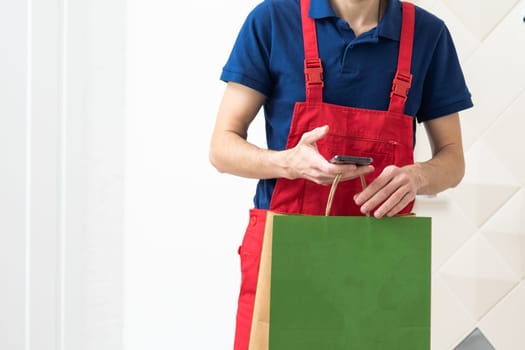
[(383, 154)]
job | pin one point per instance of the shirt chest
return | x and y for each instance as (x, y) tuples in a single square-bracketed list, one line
[(357, 72)]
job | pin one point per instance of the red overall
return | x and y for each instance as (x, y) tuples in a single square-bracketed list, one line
[(386, 136)]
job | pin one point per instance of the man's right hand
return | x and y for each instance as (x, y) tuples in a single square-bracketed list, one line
[(305, 161)]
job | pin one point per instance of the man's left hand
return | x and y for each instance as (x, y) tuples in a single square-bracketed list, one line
[(392, 190)]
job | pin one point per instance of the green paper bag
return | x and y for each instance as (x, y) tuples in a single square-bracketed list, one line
[(350, 283)]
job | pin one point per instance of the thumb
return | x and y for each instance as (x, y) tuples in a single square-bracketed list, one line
[(315, 135)]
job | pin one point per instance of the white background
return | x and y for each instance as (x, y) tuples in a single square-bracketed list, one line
[(62, 146), (185, 220)]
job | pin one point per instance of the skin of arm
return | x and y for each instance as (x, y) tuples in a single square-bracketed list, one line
[(397, 186), (230, 152)]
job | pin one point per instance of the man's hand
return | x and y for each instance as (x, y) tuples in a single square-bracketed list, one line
[(305, 161), (395, 188)]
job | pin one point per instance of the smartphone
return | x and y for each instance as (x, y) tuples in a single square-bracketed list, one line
[(340, 159)]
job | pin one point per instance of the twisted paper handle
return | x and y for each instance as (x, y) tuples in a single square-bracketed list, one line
[(332, 193)]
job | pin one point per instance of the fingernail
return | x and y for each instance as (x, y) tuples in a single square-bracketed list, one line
[(379, 213)]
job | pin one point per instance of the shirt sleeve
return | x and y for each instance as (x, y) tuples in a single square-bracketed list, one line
[(444, 89), (248, 63)]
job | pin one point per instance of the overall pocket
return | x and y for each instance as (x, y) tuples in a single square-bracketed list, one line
[(383, 154)]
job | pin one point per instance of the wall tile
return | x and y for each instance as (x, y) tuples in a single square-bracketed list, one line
[(505, 138), (478, 276), (450, 320), (481, 16), (505, 231), (505, 324), (450, 226), (487, 185), (491, 73)]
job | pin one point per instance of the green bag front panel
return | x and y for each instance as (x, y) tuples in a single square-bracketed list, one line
[(350, 283)]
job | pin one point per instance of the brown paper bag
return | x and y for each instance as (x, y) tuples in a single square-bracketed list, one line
[(260, 331)]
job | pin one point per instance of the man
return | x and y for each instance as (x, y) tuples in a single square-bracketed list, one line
[(364, 72)]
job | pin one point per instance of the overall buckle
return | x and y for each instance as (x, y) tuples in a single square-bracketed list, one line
[(313, 70), (401, 85)]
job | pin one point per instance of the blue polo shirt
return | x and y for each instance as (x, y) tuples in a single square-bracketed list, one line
[(268, 56)]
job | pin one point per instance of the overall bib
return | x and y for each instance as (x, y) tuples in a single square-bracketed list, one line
[(386, 136)]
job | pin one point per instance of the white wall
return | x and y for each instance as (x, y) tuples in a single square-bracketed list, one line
[(61, 189), (185, 220), (93, 134), (14, 31)]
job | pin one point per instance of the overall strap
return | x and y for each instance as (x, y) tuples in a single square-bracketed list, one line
[(313, 68), (403, 78)]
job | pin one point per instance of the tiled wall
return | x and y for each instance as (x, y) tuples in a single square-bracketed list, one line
[(479, 227)]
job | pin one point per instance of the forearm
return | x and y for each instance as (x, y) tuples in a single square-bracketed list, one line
[(395, 187), (231, 153), (443, 171)]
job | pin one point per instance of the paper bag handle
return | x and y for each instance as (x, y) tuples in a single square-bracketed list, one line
[(332, 193)]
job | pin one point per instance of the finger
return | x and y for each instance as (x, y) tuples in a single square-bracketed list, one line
[(381, 181), (401, 205), (356, 172), (321, 180), (336, 169), (319, 176), (314, 135), (347, 171), (363, 170), (383, 195), (326, 176), (395, 207)]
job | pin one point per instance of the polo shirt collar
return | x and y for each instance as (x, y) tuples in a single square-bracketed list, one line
[(320, 9), (389, 27)]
